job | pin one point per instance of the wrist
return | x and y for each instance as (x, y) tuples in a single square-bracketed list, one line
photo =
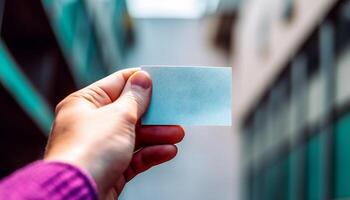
[(88, 172)]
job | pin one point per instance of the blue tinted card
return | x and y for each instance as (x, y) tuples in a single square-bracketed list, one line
[(189, 96)]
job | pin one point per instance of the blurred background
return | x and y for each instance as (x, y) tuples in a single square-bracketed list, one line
[(290, 137)]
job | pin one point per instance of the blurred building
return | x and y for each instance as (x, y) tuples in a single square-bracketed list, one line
[(48, 49), (291, 102)]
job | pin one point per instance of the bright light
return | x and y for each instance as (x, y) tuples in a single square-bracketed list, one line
[(168, 8)]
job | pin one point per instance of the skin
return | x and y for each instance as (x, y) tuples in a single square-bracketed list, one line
[(96, 129)]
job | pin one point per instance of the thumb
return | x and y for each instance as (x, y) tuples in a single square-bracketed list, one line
[(135, 97)]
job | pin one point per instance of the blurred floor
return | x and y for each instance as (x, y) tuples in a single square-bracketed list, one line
[(206, 165)]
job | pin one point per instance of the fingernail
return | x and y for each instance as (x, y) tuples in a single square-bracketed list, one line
[(141, 79)]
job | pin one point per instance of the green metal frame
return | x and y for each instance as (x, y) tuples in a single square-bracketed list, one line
[(18, 85)]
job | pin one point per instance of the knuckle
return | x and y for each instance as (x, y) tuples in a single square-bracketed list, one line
[(92, 94), (89, 95), (67, 101), (98, 95), (59, 106), (63, 103), (127, 115)]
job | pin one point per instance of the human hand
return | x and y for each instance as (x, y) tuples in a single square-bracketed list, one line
[(96, 130)]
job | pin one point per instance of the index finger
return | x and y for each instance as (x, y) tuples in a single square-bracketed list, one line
[(113, 84)]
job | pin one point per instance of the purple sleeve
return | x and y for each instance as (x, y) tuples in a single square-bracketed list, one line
[(48, 180)]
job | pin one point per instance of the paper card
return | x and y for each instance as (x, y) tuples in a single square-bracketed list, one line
[(189, 96)]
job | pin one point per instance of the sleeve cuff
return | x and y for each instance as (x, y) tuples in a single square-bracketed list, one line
[(49, 180)]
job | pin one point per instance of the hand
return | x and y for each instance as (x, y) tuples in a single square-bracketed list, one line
[(96, 130)]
